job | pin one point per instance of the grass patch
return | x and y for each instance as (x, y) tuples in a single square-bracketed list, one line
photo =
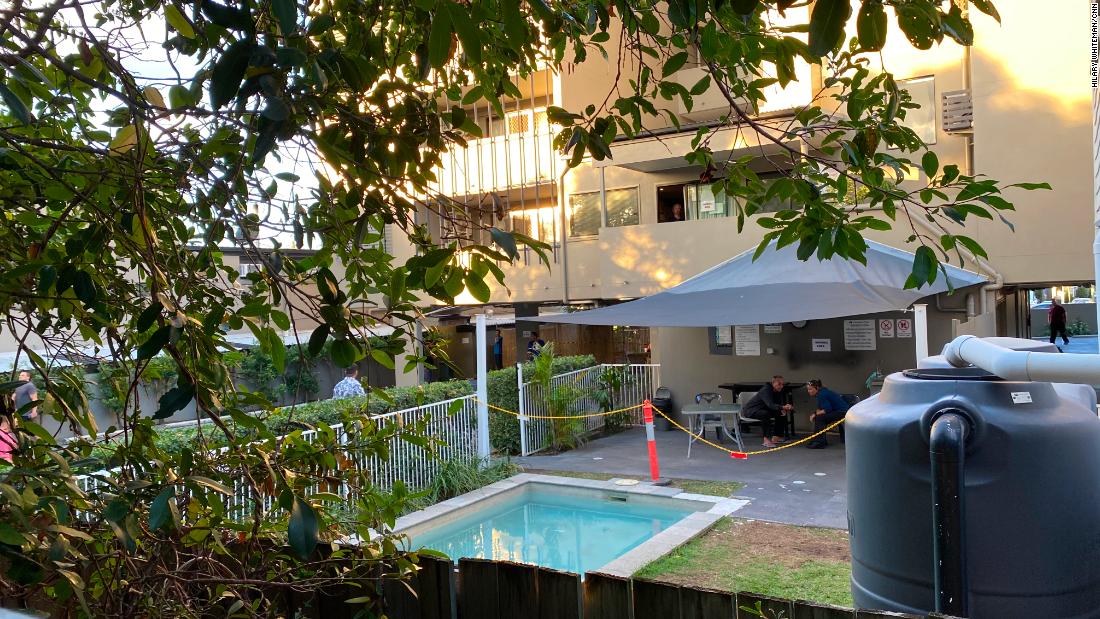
[(696, 486), (771, 559)]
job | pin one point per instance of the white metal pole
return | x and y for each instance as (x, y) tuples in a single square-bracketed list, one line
[(920, 330), (482, 389), (522, 410)]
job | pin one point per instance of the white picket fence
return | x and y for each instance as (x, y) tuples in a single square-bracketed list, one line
[(639, 382), (455, 433)]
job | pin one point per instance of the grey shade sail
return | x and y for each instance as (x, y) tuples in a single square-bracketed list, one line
[(778, 287)]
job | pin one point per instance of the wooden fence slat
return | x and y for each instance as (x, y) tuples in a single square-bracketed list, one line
[(477, 589), (606, 596), (816, 610), (863, 613), (559, 594), (401, 598), (770, 605), (435, 586), (517, 591), (656, 600), (700, 603)]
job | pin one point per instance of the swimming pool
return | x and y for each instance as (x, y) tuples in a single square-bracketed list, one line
[(568, 524)]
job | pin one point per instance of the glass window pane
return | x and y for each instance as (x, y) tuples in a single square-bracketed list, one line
[(710, 204), (584, 214), (922, 121), (622, 207)]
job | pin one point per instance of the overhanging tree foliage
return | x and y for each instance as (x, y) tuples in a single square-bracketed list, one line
[(138, 137)]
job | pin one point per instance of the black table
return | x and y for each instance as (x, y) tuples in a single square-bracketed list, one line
[(787, 394)]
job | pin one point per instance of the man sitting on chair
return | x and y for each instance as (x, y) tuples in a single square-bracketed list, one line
[(767, 406), (830, 409)]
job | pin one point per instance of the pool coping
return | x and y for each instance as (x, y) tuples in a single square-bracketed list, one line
[(678, 534)]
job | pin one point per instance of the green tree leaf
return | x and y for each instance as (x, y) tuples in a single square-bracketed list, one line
[(439, 40), (176, 399), (986, 6), (930, 163), (871, 25), (302, 529), (345, 353), (317, 340), (505, 241), (15, 105), (180, 23), (287, 13), (228, 73), (163, 510), (827, 25), (154, 344), (674, 63)]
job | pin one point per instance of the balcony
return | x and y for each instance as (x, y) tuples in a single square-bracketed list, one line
[(498, 164)]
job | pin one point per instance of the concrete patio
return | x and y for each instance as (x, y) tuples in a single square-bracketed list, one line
[(794, 486)]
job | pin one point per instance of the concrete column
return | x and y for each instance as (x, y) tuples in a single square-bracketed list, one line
[(483, 447), (920, 330)]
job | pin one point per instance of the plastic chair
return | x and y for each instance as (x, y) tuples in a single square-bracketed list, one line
[(742, 400)]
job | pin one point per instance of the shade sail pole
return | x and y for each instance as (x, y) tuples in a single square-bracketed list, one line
[(920, 330)]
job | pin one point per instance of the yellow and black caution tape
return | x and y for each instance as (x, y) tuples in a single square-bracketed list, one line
[(741, 455), (585, 416)]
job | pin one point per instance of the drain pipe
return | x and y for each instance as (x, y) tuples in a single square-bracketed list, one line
[(947, 451), (1023, 365)]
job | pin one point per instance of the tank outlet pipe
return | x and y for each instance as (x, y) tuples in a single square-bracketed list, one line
[(1023, 365), (947, 448)]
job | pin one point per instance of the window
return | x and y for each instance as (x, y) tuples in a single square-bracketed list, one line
[(584, 210), (535, 222), (622, 207), (584, 214), (691, 201), (922, 120)]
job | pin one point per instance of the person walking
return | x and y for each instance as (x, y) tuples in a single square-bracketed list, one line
[(350, 387), (1056, 318), (24, 395), (831, 407)]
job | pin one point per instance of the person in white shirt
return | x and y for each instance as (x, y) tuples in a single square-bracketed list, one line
[(350, 386)]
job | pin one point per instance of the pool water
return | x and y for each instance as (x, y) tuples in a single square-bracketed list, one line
[(552, 529)]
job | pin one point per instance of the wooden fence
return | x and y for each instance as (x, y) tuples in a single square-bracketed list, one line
[(483, 589)]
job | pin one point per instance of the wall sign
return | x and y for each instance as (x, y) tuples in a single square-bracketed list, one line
[(905, 327), (821, 344), (746, 340), (859, 335), (773, 328), (886, 327)]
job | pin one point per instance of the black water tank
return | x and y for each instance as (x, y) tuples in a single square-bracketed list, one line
[(1032, 496)]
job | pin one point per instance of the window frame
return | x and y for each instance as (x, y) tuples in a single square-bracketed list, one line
[(601, 207)]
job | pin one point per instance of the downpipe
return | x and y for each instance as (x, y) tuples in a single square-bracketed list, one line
[(947, 451), (1023, 365)]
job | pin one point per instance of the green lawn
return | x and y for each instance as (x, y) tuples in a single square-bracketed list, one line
[(697, 486), (771, 559)]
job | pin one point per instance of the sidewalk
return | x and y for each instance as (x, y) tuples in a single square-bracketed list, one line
[(794, 486)]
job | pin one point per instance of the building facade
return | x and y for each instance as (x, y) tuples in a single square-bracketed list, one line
[(1014, 107)]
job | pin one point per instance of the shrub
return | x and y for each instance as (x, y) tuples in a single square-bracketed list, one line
[(460, 476), (503, 392)]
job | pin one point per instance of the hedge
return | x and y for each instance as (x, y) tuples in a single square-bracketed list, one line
[(503, 392)]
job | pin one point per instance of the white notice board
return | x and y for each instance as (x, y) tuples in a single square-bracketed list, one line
[(821, 344), (746, 340), (773, 328), (859, 335)]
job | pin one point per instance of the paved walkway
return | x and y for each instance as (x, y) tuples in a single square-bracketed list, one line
[(794, 486)]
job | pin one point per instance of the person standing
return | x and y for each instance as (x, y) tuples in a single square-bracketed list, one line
[(350, 387), (767, 406), (24, 395), (831, 407), (534, 346), (498, 352), (1056, 318)]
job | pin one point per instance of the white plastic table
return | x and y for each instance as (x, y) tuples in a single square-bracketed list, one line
[(728, 412)]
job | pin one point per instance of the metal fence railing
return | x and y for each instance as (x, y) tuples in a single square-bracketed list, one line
[(638, 382), (452, 423)]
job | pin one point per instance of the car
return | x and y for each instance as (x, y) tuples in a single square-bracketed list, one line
[(1041, 306), (1083, 300)]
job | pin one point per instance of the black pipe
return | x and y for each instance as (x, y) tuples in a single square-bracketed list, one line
[(947, 442)]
